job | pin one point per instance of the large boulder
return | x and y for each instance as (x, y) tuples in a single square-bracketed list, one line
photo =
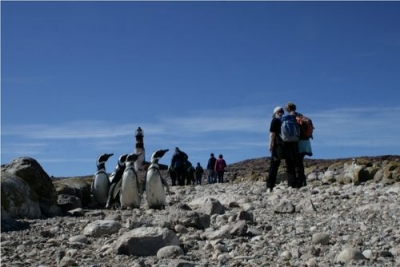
[(186, 218), (145, 241), (101, 227), (392, 171), (78, 187), (17, 198), (213, 206), (24, 185)]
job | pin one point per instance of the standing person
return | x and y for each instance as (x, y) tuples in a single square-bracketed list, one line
[(220, 166), (304, 150), (177, 164), (210, 169), (199, 173), (275, 147), (172, 175), (291, 146), (189, 173)]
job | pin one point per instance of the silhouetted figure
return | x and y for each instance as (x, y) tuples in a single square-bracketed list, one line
[(178, 165)]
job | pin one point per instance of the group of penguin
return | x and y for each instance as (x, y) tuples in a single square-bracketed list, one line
[(123, 186)]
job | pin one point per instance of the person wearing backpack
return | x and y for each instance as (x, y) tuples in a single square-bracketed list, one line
[(275, 147), (220, 166), (290, 134)]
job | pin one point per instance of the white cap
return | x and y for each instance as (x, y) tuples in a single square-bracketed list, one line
[(278, 109)]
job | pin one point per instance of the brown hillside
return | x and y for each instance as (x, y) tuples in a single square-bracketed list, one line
[(256, 169)]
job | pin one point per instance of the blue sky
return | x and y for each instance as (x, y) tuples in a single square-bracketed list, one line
[(78, 78)]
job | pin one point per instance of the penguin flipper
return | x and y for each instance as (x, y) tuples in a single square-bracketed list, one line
[(117, 189), (92, 185), (164, 182)]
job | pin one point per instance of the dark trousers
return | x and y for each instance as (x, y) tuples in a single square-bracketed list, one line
[(220, 175), (198, 178), (211, 176), (273, 172), (291, 152), (173, 175), (291, 173), (189, 178), (301, 177), (180, 175)]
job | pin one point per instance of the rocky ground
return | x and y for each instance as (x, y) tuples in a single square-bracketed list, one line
[(347, 215), (317, 225)]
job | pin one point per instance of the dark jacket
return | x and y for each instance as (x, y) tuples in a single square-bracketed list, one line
[(211, 163)]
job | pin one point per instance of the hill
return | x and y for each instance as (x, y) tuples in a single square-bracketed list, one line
[(257, 168)]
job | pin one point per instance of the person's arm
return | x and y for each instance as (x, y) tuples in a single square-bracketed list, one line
[(272, 134), (271, 140)]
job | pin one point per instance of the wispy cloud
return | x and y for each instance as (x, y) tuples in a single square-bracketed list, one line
[(373, 127), (25, 148), (65, 160), (71, 130), (242, 120), (358, 127)]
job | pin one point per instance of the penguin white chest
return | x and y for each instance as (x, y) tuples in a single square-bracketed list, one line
[(100, 187), (129, 197), (155, 193)]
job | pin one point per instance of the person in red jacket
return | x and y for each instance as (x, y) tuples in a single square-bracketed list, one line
[(219, 168)]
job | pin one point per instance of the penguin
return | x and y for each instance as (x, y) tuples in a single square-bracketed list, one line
[(155, 194), (100, 185), (115, 181), (129, 191)]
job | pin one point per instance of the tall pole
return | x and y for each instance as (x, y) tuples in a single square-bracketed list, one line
[(139, 147)]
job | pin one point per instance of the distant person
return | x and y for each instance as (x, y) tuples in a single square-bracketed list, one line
[(172, 175), (189, 173), (178, 165), (291, 147), (212, 177), (304, 145), (275, 147), (199, 173), (220, 166)]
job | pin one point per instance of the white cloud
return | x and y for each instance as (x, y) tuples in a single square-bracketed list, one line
[(237, 134), (70, 130), (25, 148), (358, 127), (244, 127), (64, 160)]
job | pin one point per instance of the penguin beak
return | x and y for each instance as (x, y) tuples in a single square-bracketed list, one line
[(159, 154), (163, 151)]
